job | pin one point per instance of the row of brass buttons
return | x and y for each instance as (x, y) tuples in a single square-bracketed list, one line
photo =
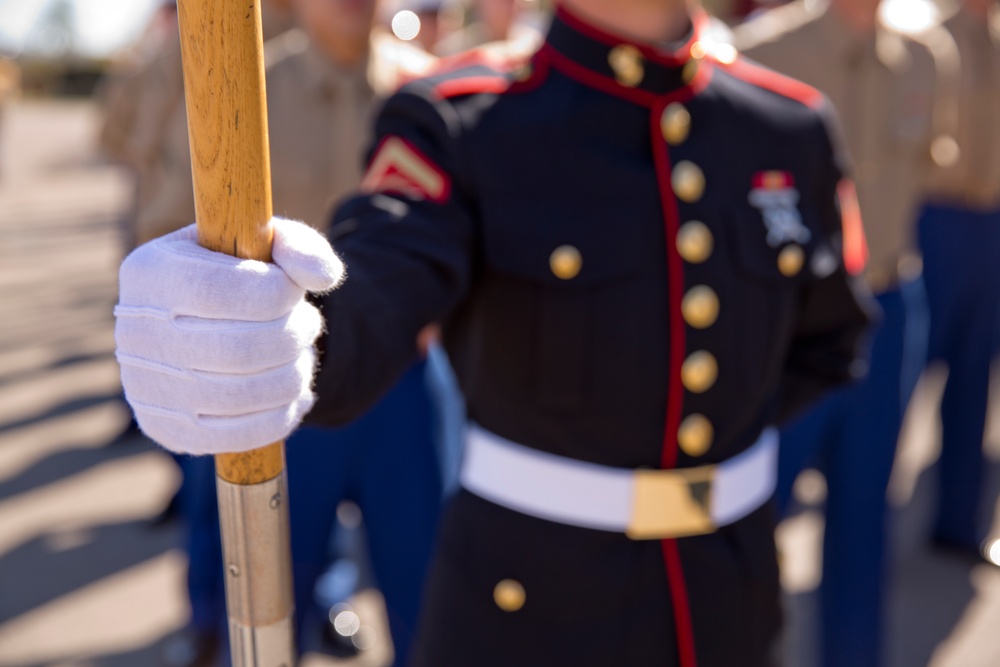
[(700, 305)]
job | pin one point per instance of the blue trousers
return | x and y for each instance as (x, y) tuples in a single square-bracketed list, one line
[(386, 462), (851, 436), (961, 262)]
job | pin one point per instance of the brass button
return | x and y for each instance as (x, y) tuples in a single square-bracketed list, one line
[(509, 595), (699, 372), (523, 72), (565, 262), (627, 63), (695, 435), (698, 50), (690, 71), (700, 307), (675, 123), (790, 260), (688, 181), (695, 242)]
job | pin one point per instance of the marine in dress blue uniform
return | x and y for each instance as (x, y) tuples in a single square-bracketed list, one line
[(892, 93), (617, 311), (960, 237)]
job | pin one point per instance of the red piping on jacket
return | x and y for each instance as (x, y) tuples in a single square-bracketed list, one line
[(675, 389), (635, 95), (776, 83)]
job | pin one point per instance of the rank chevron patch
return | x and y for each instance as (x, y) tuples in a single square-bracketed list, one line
[(398, 167)]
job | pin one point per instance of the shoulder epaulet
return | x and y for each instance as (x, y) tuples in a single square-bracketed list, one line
[(491, 68), (757, 75), (395, 63)]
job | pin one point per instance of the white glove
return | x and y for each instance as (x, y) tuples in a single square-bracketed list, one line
[(217, 352)]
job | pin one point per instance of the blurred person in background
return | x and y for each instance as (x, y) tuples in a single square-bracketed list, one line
[(438, 19), (960, 236), (894, 95), (494, 21), (10, 88), (139, 95), (277, 17), (324, 83)]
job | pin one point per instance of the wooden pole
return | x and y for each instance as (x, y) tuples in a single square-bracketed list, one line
[(222, 49)]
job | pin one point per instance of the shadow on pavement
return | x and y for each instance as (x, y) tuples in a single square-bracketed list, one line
[(75, 560), (932, 588), (72, 462), (147, 656)]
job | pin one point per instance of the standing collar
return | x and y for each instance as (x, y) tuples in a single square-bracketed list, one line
[(624, 66)]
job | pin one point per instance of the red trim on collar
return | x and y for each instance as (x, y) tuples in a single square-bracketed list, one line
[(699, 22), (588, 77), (778, 83)]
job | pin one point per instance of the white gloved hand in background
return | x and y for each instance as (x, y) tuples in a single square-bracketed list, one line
[(217, 353)]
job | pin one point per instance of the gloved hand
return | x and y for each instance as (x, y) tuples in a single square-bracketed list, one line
[(217, 353)]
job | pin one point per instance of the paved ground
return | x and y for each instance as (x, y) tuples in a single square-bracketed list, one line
[(86, 582)]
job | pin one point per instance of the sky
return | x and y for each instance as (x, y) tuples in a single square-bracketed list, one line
[(98, 28)]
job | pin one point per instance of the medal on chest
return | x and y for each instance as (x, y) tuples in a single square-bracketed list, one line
[(774, 194)]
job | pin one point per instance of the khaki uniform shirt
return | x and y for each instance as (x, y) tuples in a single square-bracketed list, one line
[(139, 108), (974, 179), (10, 80), (319, 119), (891, 95)]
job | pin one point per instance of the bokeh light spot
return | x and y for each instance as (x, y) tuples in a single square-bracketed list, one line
[(406, 25)]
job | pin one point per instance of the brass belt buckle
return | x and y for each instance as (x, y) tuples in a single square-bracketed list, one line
[(672, 503)]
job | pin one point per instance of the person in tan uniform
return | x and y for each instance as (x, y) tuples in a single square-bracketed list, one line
[(140, 97), (493, 21), (960, 236), (324, 83), (894, 95), (10, 84), (319, 115)]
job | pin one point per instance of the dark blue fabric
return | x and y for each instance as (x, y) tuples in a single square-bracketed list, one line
[(961, 263), (200, 510), (386, 462), (851, 436)]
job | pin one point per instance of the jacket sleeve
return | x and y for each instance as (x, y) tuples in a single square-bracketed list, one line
[(830, 343), (408, 243)]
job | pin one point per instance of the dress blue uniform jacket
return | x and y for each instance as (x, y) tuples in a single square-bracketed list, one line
[(546, 213)]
